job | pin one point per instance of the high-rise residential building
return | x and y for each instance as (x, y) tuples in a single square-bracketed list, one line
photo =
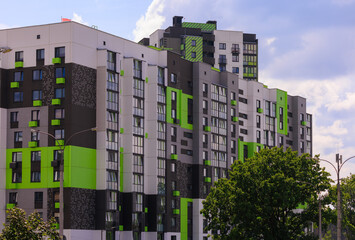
[(167, 128), (231, 51)]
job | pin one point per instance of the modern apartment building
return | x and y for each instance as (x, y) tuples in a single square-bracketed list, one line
[(166, 129), (231, 51)]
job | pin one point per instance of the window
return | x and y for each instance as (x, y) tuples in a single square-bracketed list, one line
[(16, 177), (34, 136), (59, 52), (35, 176), (243, 131), (19, 56), (60, 93), (17, 157), (18, 76), (173, 149), (36, 156), (235, 69), (13, 197), (137, 68), (18, 137), (258, 136), (59, 113), (173, 96), (204, 87), (193, 43), (173, 167), (139, 202), (38, 200), (60, 72), (222, 46), (258, 121), (36, 95), (193, 54), (243, 100), (235, 58), (111, 176), (56, 176), (40, 54), (59, 133), (111, 156), (14, 117), (37, 75), (173, 78)]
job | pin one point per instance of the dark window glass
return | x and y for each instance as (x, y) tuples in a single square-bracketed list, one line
[(60, 93), (14, 117), (18, 97), (18, 76), (36, 95), (19, 56), (37, 75), (35, 176), (59, 134), (60, 72), (13, 197), (35, 156), (59, 113), (60, 52), (40, 54)]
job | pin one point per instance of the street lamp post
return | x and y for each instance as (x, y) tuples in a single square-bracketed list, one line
[(61, 172), (340, 164)]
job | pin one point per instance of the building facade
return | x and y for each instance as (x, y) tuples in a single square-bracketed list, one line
[(231, 51), (167, 128)]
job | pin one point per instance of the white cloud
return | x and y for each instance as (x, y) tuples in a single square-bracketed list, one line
[(343, 2), (346, 103), (152, 20), (77, 18)]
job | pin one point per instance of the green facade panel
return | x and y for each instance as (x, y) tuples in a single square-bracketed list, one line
[(33, 123), (205, 27), (14, 85), (19, 64), (56, 60), (60, 80), (55, 122), (181, 107), (56, 101), (79, 168), (195, 49), (37, 103), (252, 148), (281, 102), (183, 217)]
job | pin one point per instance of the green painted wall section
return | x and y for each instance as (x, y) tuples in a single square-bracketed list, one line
[(183, 217), (281, 101), (207, 27), (252, 147), (79, 168), (189, 49), (181, 107), (121, 171)]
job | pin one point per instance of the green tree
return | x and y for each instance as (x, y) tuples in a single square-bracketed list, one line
[(259, 198), (347, 189), (33, 227)]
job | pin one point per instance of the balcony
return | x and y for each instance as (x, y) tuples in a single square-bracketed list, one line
[(32, 144), (19, 64), (60, 80), (37, 103), (57, 60), (33, 123), (56, 101), (55, 122), (14, 85)]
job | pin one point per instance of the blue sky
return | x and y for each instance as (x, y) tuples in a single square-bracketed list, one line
[(307, 47)]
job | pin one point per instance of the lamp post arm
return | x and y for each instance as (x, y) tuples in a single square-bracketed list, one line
[(336, 170), (345, 162)]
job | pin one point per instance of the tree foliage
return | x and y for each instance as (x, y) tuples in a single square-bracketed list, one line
[(27, 228), (259, 198)]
